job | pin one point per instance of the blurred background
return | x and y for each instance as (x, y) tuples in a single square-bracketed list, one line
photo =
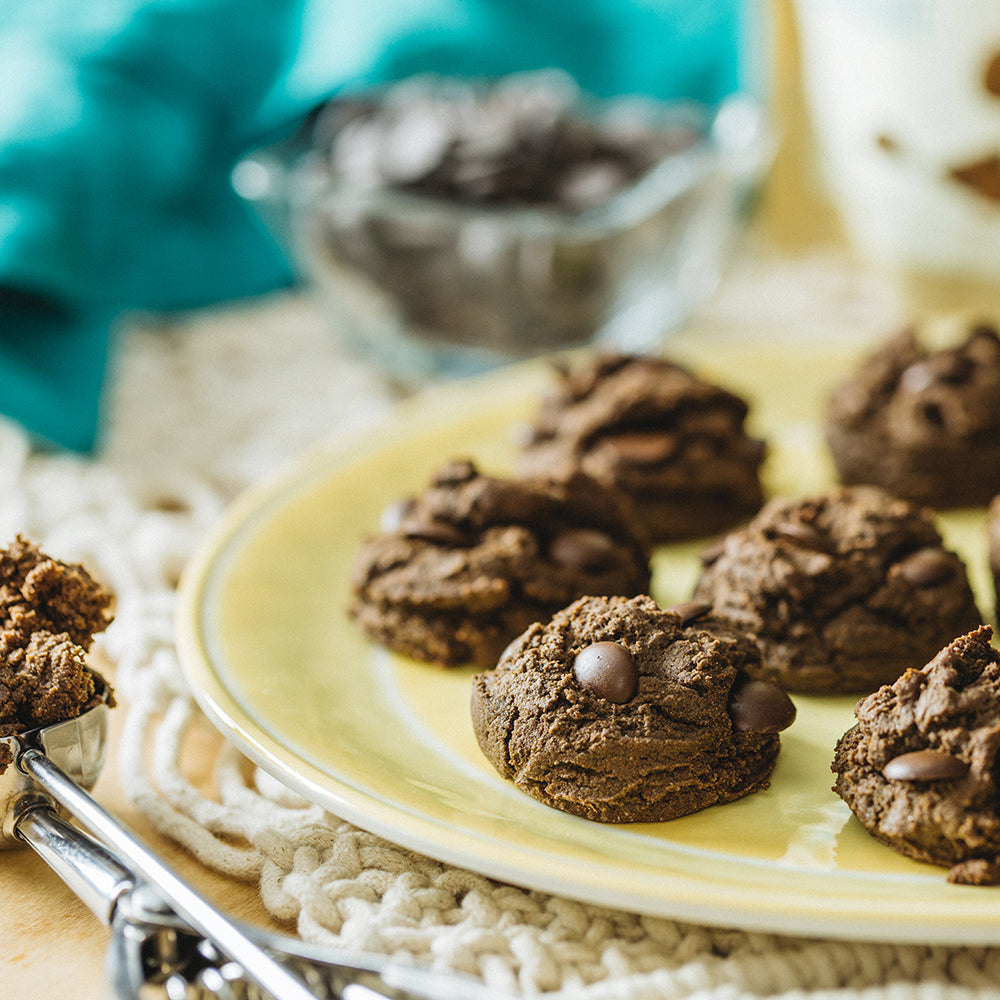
[(868, 127)]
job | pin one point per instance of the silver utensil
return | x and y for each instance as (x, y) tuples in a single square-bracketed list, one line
[(167, 941)]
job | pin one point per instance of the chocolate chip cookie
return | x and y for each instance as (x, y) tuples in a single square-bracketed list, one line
[(673, 443), (924, 424), (466, 566), (919, 768), (618, 711), (843, 590)]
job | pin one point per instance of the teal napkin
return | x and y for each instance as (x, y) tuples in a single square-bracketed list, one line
[(121, 121), (119, 124)]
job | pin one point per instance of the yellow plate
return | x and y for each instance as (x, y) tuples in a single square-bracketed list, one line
[(387, 744)]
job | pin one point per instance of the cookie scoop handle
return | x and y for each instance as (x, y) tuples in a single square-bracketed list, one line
[(95, 875), (261, 967)]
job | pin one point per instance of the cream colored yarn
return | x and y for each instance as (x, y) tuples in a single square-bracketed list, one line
[(200, 410)]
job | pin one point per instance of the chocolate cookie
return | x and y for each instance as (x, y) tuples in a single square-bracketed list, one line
[(919, 768), (618, 711), (671, 442), (923, 424), (843, 590), (476, 559)]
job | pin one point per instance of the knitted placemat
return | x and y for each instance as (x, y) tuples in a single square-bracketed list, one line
[(200, 409)]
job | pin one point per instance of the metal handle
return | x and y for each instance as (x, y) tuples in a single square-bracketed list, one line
[(262, 968), (83, 864)]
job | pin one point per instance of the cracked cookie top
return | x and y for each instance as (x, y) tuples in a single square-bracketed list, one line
[(843, 590), (922, 423), (673, 443), (467, 565)]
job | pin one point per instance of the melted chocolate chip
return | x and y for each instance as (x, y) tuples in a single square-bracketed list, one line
[(642, 447), (713, 552), (437, 532), (757, 706), (927, 567), (691, 611), (803, 535), (583, 548), (925, 765), (607, 670)]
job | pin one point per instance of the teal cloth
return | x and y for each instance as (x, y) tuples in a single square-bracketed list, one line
[(121, 120)]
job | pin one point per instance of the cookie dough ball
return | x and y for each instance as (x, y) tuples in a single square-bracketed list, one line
[(671, 442), (44, 679), (843, 591), (919, 768), (618, 711), (39, 593), (49, 613), (924, 424), (475, 559)]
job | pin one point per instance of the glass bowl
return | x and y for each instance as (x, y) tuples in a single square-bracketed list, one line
[(430, 279)]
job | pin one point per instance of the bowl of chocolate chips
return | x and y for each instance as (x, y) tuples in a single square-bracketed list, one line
[(451, 225)]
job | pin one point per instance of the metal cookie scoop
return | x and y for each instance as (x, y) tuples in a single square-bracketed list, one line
[(167, 941)]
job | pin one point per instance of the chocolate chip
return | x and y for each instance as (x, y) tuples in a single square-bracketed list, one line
[(607, 670), (642, 447), (804, 536), (925, 765), (927, 567), (583, 548), (757, 706), (691, 611), (504, 146), (437, 532), (713, 552)]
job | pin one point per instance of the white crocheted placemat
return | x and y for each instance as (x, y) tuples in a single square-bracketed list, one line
[(200, 409)]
